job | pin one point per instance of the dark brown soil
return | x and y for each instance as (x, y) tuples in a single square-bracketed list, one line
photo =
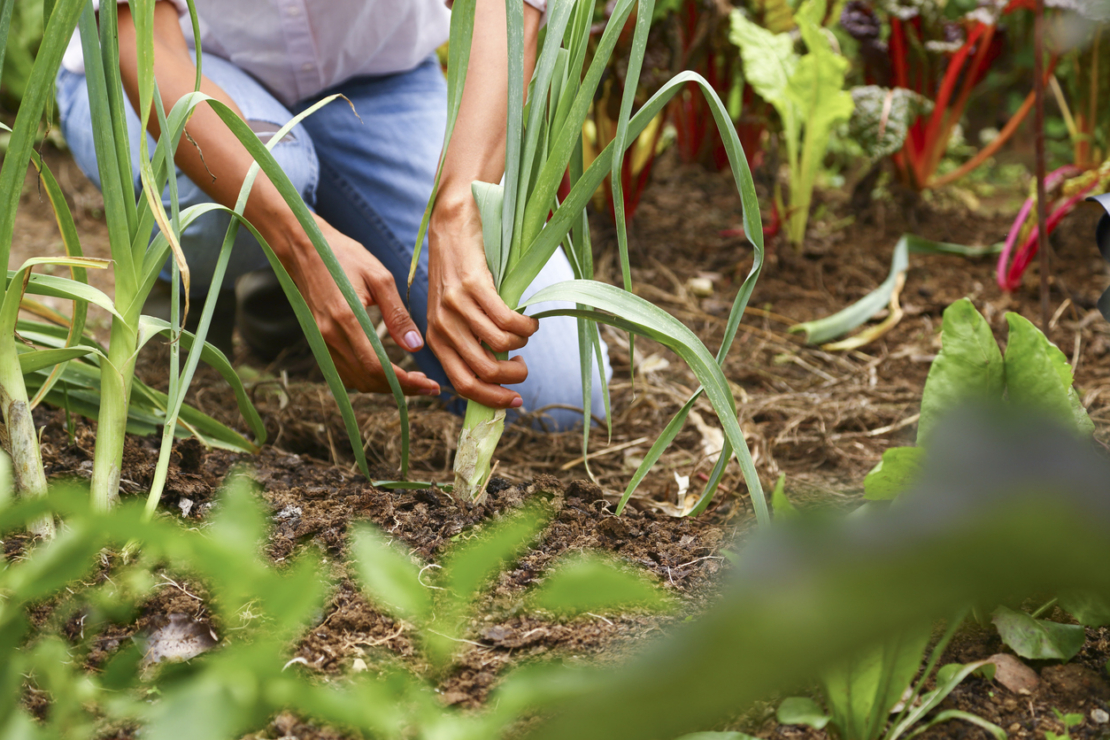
[(822, 418)]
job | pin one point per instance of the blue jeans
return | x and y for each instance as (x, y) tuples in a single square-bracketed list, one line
[(368, 178)]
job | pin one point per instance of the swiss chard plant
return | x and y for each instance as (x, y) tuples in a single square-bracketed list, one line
[(544, 141), (931, 55), (1033, 373), (807, 92)]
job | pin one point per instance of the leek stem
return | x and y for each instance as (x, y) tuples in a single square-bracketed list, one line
[(23, 442), (482, 429), (111, 429)]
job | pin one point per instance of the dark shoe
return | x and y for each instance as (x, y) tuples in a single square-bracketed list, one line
[(158, 304), (266, 321)]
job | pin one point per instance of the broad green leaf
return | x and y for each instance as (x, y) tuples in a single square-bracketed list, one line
[(895, 474), (1038, 376), (801, 710), (70, 290), (388, 576), (969, 366), (591, 583), (1089, 609), (632, 313), (1038, 639), (769, 58)]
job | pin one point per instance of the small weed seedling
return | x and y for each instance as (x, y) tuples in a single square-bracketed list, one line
[(1068, 721)]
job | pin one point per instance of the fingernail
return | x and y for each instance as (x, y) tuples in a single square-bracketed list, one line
[(413, 341), (431, 392), (517, 403)]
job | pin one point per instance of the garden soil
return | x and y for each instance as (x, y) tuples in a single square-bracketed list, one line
[(820, 417)]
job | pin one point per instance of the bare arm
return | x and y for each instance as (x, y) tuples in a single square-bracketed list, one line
[(463, 306), (221, 173)]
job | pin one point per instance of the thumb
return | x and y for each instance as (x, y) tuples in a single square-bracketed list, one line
[(397, 319)]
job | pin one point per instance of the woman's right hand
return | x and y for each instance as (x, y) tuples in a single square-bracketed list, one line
[(465, 311)]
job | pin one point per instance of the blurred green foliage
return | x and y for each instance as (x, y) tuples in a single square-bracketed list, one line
[(24, 37)]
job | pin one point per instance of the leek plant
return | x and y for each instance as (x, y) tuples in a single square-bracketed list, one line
[(137, 260), (544, 142)]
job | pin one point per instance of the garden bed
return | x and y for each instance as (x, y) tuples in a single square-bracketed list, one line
[(821, 418)]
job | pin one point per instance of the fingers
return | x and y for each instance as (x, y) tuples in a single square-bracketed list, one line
[(475, 389), (401, 327), (360, 369), (467, 306), (504, 317)]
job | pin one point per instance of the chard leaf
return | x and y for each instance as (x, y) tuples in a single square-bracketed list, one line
[(1038, 376), (1038, 639), (882, 117), (895, 473), (769, 59), (969, 365)]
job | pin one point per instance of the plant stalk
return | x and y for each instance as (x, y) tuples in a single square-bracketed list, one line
[(111, 429), (23, 442), (481, 431), (1038, 143)]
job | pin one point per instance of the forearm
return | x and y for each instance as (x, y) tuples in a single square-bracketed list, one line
[(218, 163), (477, 147)]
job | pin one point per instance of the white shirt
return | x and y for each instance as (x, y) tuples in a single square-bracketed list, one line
[(299, 48)]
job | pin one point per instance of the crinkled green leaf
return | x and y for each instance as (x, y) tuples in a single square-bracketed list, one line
[(879, 126)]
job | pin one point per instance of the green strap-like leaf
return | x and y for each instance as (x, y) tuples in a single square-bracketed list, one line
[(632, 313), (458, 57)]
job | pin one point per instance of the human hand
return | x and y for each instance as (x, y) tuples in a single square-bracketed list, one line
[(464, 310), (352, 352)]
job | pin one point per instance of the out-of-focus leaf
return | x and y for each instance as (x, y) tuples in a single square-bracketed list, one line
[(472, 564), (861, 692), (882, 117), (1038, 639), (968, 366), (390, 578), (1038, 375), (801, 710), (1088, 609), (896, 473), (590, 583), (780, 504)]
